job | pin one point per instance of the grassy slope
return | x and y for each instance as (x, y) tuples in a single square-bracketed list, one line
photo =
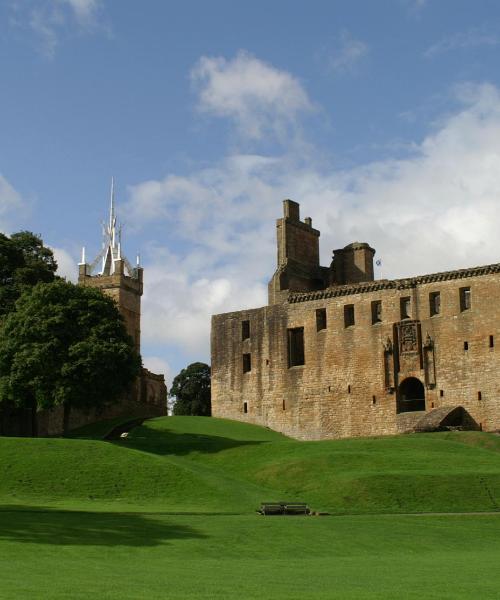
[(65, 502), (198, 464), (433, 472)]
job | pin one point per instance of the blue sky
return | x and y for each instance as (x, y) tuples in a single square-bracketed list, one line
[(381, 118)]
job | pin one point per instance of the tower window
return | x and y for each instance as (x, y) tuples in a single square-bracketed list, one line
[(434, 303), (492, 341), (466, 346), (348, 315), (247, 362), (465, 299), (296, 347), (320, 319), (376, 312), (245, 407), (405, 307), (479, 396), (245, 330)]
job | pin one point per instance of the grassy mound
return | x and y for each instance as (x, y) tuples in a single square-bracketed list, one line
[(167, 512), (197, 464)]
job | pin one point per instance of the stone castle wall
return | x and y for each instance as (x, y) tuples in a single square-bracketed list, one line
[(353, 376)]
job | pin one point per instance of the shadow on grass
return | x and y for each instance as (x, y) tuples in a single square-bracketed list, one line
[(164, 442), (38, 525)]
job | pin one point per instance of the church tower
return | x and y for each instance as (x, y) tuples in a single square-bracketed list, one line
[(116, 277)]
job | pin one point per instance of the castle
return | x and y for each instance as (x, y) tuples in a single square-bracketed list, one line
[(336, 353)]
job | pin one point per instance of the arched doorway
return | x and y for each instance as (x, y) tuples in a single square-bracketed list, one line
[(411, 395)]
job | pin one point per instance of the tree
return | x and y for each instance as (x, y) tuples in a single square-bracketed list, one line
[(65, 345), (24, 261), (191, 388)]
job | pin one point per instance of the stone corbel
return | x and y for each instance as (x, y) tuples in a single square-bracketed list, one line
[(429, 362), (388, 366)]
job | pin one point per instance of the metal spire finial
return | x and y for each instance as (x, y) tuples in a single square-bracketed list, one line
[(112, 208), (111, 251)]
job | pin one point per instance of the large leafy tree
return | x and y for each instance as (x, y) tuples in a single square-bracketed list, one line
[(191, 388), (65, 345), (24, 261)]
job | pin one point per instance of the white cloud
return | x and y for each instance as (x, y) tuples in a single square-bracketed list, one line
[(465, 39), (347, 52), (11, 205), (66, 264), (52, 20), (85, 11), (435, 210), (260, 99)]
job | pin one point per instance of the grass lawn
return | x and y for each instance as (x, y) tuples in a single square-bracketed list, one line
[(169, 513)]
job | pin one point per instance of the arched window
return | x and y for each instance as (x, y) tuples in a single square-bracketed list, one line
[(411, 395)]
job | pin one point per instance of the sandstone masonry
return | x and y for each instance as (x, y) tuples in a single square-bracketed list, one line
[(337, 354)]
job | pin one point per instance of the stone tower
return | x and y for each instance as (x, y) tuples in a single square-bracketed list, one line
[(298, 269), (116, 277)]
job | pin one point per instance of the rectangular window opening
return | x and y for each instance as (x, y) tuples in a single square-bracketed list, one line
[(284, 405), (348, 389), (405, 307), (465, 299), (320, 319), (348, 315), (441, 393), (492, 341), (466, 346), (296, 347), (245, 330), (376, 312), (374, 400), (245, 407), (247, 362), (479, 396), (434, 303)]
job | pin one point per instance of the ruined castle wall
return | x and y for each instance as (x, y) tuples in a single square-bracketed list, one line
[(348, 384)]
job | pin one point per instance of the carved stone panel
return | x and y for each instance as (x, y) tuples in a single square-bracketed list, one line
[(408, 342), (408, 337)]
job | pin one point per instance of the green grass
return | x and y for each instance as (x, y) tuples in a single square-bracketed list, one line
[(169, 513)]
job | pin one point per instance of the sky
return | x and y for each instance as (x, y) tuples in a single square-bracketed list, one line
[(382, 119)]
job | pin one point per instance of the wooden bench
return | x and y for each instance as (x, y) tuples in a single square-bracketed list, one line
[(284, 508)]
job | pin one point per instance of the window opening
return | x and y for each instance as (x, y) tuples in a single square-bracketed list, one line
[(245, 330), (348, 315), (441, 393), (348, 389), (466, 346), (405, 306), (492, 341), (296, 347), (320, 319), (284, 405), (245, 407), (434, 303), (374, 400), (479, 396), (376, 312), (247, 363), (465, 298)]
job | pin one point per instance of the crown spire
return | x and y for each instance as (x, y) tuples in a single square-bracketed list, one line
[(111, 252)]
